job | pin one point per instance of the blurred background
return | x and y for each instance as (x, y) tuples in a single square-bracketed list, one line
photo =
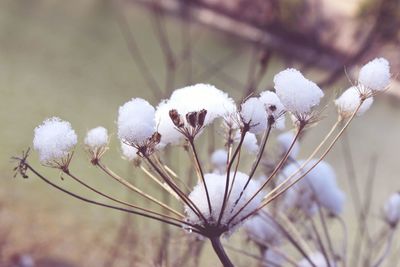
[(80, 60)]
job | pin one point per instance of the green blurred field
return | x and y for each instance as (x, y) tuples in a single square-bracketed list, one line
[(69, 59)]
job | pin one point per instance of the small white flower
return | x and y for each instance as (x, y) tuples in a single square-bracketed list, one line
[(253, 113), (136, 122), (298, 94), (392, 209), (349, 101), (128, 152), (96, 138), (375, 75), (274, 108), (54, 140)]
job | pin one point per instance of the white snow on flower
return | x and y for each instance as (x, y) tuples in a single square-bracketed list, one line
[(253, 113), (375, 75), (219, 158), (128, 152), (54, 139), (136, 122), (262, 229), (392, 209), (298, 94), (285, 141), (317, 258), (249, 142), (96, 138), (216, 188), (192, 99), (274, 107), (348, 102), (320, 183), (273, 258)]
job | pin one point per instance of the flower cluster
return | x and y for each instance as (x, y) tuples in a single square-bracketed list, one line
[(224, 199)]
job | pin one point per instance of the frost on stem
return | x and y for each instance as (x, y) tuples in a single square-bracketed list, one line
[(298, 94), (349, 101), (375, 75), (54, 140), (318, 185), (391, 210), (191, 99), (216, 189)]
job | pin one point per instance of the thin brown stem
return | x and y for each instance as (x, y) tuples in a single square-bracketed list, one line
[(146, 214), (201, 173), (124, 182)]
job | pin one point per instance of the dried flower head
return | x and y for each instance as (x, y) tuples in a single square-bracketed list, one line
[(136, 123), (187, 102), (348, 102), (274, 108), (253, 114), (54, 140), (375, 75), (298, 94), (216, 188), (96, 142)]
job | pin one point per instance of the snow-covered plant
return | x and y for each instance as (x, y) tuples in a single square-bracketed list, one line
[(225, 199)]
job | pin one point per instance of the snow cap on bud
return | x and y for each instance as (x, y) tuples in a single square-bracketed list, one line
[(54, 140), (203, 100), (391, 209), (348, 102), (274, 108), (285, 141), (96, 138), (253, 113), (375, 75), (298, 94), (136, 122)]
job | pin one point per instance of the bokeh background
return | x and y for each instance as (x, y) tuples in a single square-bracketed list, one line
[(80, 60)]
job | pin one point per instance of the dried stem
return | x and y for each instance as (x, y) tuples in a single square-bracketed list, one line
[(137, 190), (200, 172), (147, 214), (219, 250)]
